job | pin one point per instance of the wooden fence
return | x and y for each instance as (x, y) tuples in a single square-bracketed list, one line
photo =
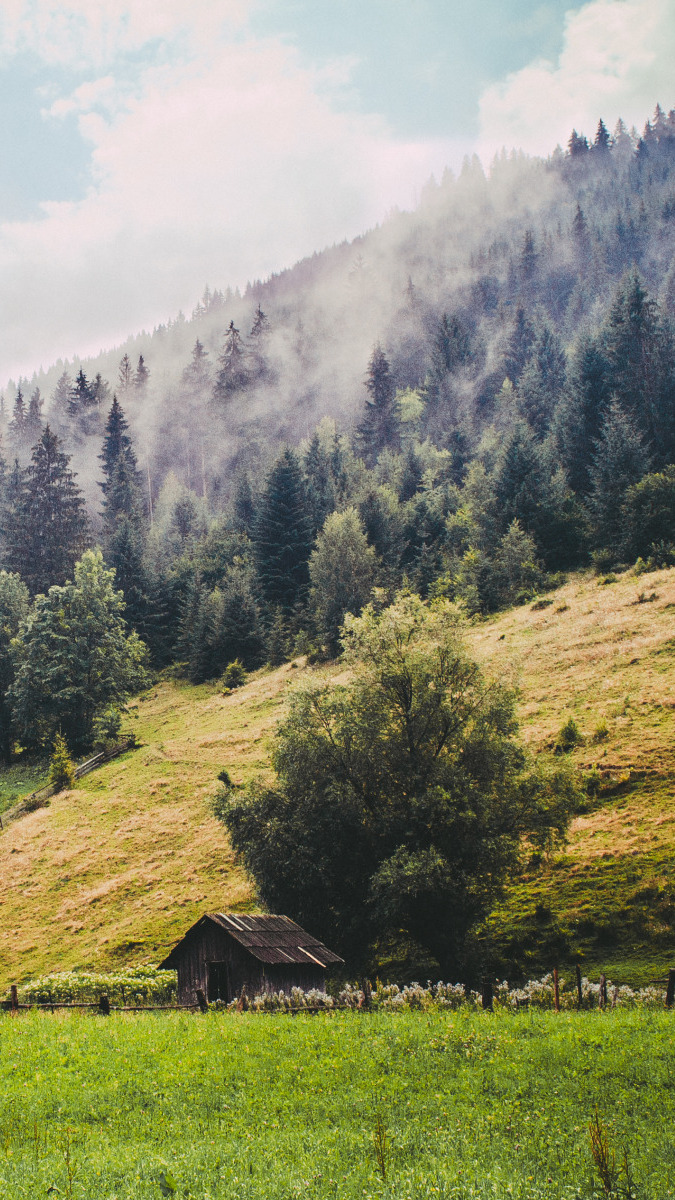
[(39, 798), (104, 1006)]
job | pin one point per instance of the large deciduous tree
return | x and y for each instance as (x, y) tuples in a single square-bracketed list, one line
[(401, 799), (73, 658)]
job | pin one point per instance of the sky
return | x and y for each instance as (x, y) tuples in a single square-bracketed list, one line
[(149, 147)]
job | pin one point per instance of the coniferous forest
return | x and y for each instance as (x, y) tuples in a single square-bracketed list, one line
[(466, 402)]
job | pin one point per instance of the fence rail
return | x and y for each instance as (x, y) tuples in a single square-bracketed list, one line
[(38, 798)]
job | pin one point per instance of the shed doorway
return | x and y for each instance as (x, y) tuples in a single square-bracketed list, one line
[(218, 982)]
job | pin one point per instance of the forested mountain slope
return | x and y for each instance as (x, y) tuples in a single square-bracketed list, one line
[(116, 870)]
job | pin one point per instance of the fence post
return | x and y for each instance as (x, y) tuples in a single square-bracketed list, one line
[(580, 996), (104, 1005), (556, 990), (602, 993), (670, 991), (486, 995), (15, 999)]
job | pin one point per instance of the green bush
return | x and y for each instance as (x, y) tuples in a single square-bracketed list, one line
[(569, 736), (235, 674), (61, 766)]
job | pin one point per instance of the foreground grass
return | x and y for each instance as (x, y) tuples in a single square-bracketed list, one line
[(253, 1108)]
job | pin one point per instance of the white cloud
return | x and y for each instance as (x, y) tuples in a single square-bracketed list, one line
[(617, 61), (220, 165)]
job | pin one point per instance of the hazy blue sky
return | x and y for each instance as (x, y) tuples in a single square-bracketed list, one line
[(147, 148)]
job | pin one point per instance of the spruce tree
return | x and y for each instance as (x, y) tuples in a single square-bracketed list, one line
[(47, 525), (125, 375), (579, 417), (123, 518), (620, 460), (17, 427), (282, 536), (33, 426), (233, 373), (320, 484), (519, 345), (141, 377), (381, 422), (542, 382)]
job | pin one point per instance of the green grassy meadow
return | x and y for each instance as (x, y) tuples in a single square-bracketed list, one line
[(279, 1108)]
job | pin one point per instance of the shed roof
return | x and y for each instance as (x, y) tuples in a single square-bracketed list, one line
[(270, 939)]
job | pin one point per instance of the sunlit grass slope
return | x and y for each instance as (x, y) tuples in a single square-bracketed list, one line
[(118, 869), (604, 654)]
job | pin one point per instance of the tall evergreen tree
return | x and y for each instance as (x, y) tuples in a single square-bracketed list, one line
[(47, 525), (639, 349), (59, 405), (282, 535), (320, 484), (579, 417), (621, 460), (142, 377), (123, 517), (17, 427), (381, 422), (33, 426), (541, 385), (125, 375), (519, 345), (197, 374), (233, 373)]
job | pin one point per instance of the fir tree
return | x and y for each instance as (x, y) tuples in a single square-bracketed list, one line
[(141, 377), (601, 142), (17, 427), (197, 374), (243, 509), (60, 401), (519, 345), (541, 385), (232, 366), (282, 535), (579, 417), (61, 766), (123, 518), (47, 526), (33, 425), (411, 479), (125, 375), (621, 460), (320, 485), (381, 422)]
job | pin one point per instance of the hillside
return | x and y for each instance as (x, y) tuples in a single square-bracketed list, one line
[(116, 870)]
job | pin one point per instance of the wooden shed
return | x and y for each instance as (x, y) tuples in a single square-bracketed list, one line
[(224, 952)]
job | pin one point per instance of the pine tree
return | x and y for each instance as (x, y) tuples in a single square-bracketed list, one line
[(123, 518), (601, 142), (47, 526), (33, 425), (82, 398), (282, 536), (620, 460), (141, 377), (125, 375), (233, 371), (579, 417), (59, 406), (320, 484), (639, 349), (14, 604), (197, 374), (528, 256), (541, 384), (61, 766), (411, 479), (577, 145), (519, 345), (101, 393), (17, 427), (381, 422), (243, 509)]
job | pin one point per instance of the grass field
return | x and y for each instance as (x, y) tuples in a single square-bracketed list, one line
[(278, 1108), (115, 871)]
